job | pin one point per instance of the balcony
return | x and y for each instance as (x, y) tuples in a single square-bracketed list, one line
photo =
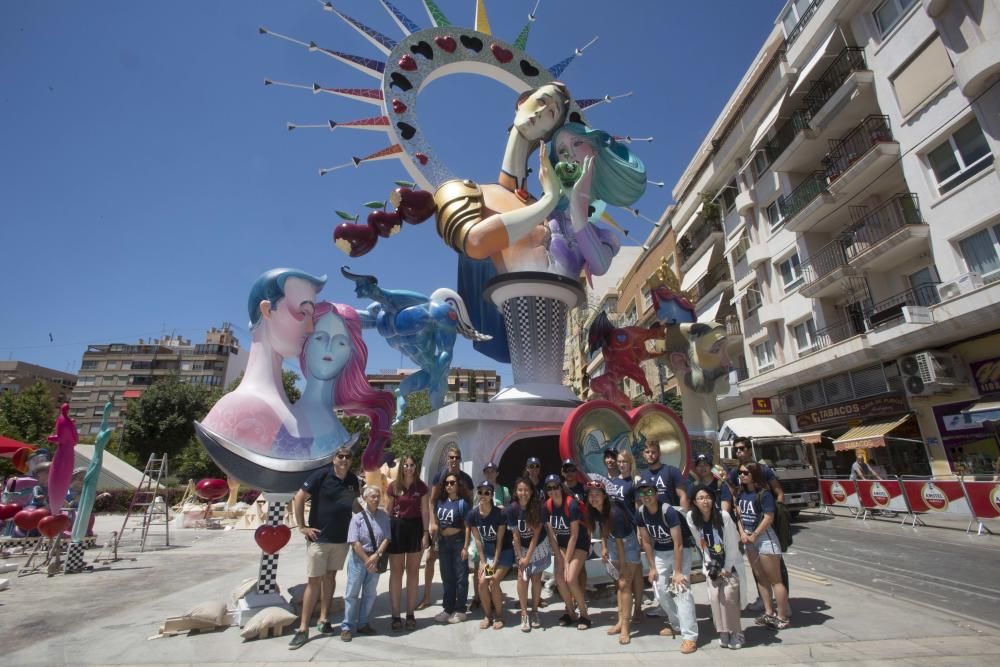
[(717, 280), (889, 234), (890, 311), (838, 333), (703, 237), (786, 149), (807, 203), (758, 254), (860, 156), (826, 273), (770, 312), (837, 85), (734, 330), (804, 19), (745, 201)]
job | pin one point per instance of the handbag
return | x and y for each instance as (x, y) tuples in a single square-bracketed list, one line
[(383, 560)]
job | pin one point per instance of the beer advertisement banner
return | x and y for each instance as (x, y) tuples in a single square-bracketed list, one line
[(839, 493), (936, 497), (984, 497), (881, 495)]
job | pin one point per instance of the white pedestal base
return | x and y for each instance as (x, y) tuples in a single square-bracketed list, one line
[(250, 604)]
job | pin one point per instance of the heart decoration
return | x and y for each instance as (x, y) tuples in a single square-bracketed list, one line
[(211, 489), (51, 526), (398, 106), (271, 539), (421, 158), (406, 130), (400, 81), (27, 520), (424, 49), (597, 425), (446, 43), (472, 43), (501, 54), (528, 69), (408, 63), (8, 510)]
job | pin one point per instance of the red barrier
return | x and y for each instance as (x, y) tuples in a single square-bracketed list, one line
[(881, 495), (839, 493), (984, 499), (936, 497)]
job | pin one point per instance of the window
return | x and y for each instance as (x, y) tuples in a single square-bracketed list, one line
[(964, 154), (88, 365), (728, 195), (632, 316), (647, 297), (805, 336), (126, 365), (773, 215), (760, 164), (752, 299), (112, 365), (922, 77), (764, 356), (982, 253), (185, 365), (791, 273), (741, 247), (889, 12), (85, 381)]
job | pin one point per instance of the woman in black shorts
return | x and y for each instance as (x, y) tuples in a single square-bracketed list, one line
[(408, 501)]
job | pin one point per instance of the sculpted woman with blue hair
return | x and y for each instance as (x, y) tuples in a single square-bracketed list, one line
[(593, 170)]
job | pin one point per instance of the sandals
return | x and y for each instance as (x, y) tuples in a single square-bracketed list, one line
[(411, 622), (762, 619), (779, 623), (485, 623), (397, 624), (624, 639), (498, 624), (565, 620), (583, 623)]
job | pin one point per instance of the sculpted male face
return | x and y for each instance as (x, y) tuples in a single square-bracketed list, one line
[(289, 323), (539, 113)]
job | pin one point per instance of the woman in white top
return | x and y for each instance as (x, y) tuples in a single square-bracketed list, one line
[(717, 536)]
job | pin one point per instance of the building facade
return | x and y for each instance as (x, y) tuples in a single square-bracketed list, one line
[(846, 207), (464, 384), (121, 371), (16, 376)]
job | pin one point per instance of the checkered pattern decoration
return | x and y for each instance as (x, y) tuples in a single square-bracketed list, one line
[(267, 575), (536, 334), (74, 558)]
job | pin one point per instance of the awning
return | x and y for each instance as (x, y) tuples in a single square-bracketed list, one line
[(712, 309), (984, 411), (697, 272), (816, 57), (132, 393), (766, 124), (811, 437), (868, 436)]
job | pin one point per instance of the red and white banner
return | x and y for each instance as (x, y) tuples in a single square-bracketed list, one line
[(839, 493), (984, 497), (936, 497), (881, 495)]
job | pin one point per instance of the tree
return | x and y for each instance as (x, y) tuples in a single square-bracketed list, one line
[(403, 444), (288, 381), (29, 415), (673, 401), (161, 420)]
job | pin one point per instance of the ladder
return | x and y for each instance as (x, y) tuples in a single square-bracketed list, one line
[(143, 510)]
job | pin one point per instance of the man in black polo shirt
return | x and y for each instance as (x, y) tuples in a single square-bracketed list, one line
[(332, 492)]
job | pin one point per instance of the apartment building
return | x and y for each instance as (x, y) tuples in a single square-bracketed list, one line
[(846, 206), (16, 376), (464, 384), (121, 371)]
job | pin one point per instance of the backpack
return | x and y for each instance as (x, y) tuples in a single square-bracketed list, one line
[(566, 507), (782, 521)]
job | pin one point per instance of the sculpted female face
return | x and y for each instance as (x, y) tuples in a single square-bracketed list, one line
[(572, 148), (328, 348), (539, 113)]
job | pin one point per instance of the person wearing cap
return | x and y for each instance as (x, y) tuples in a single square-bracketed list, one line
[(453, 465), (564, 515), (572, 481), (702, 474), (501, 494), (663, 543), (487, 526), (533, 471), (534, 544)]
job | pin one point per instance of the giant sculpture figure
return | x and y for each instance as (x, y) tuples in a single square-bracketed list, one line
[(623, 349), (61, 470), (424, 328), (89, 490)]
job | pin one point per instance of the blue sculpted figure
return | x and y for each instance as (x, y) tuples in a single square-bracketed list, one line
[(423, 328)]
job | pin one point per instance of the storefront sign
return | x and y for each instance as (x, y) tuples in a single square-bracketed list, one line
[(957, 427), (762, 406), (876, 406), (986, 375)]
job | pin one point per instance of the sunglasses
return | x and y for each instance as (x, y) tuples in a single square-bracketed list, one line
[(485, 492), (594, 486), (744, 472), (739, 449), (647, 492), (454, 458), (570, 469), (343, 456), (553, 488), (450, 482)]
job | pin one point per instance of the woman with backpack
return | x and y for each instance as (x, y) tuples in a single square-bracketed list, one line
[(448, 531), (534, 545), (717, 536), (756, 508), (566, 518), (487, 525), (619, 546)]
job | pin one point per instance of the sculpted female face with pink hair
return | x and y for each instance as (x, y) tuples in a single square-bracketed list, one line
[(328, 348)]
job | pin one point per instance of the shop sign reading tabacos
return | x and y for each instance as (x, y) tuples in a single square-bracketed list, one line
[(877, 406)]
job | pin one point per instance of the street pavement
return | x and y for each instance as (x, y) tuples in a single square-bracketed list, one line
[(107, 616)]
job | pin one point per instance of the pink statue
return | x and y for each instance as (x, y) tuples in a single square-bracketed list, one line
[(61, 470), (623, 348)]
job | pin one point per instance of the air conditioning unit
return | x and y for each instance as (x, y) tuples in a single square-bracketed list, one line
[(964, 283), (931, 372)]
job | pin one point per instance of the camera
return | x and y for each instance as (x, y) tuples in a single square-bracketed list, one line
[(716, 562)]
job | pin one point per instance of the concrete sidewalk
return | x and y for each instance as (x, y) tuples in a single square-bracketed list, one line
[(105, 617)]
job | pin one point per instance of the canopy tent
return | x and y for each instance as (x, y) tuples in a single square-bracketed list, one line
[(16, 451), (870, 435), (712, 309)]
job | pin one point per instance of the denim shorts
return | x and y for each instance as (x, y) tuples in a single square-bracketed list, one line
[(768, 544), (506, 559), (632, 550)]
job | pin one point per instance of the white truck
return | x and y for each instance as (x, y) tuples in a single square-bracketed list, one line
[(786, 454)]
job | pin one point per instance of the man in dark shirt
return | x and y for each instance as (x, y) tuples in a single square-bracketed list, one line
[(702, 475), (666, 479), (332, 492)]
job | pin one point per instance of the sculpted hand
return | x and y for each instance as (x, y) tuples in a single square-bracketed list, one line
[(546, 175), (581, 189)]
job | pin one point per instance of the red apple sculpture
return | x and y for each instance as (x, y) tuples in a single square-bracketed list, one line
[(211, 489), (413, 206), (355, 239), (386, 223)]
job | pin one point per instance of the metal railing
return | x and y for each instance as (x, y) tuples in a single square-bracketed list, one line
[(903, 210), (691, 242), (827, 260), (733, 327), (764, 77), (796, 200), (891, 309), (719, 274), (804, 19), (837, 333), (851, 59), (844, 152), (785, 135)]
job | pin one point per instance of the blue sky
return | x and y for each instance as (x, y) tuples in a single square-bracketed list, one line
[(148, 177)]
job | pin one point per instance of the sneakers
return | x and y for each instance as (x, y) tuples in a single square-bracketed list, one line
[(688, 646), (345, 636), (736, 641), (723, 640), (299, 639), (442, 617), (535, 621), (324, 628), (457, 617), (525, 625)]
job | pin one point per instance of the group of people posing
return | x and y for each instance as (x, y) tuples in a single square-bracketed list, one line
[(559, 520)]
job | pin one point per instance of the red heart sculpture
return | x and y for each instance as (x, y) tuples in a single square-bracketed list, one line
[(51, 526), (421, 158), (8, 510), (501, 54), (211, 489), (27, 520), (398, 106), (446, 43), (408, 63), (596, 425), (271, 539)]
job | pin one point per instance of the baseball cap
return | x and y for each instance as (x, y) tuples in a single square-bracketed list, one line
[(553, 479), (533, 460), (704, 458), (485, 485), (610, 452), (645, 482), (489, 466), (567, 463)]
